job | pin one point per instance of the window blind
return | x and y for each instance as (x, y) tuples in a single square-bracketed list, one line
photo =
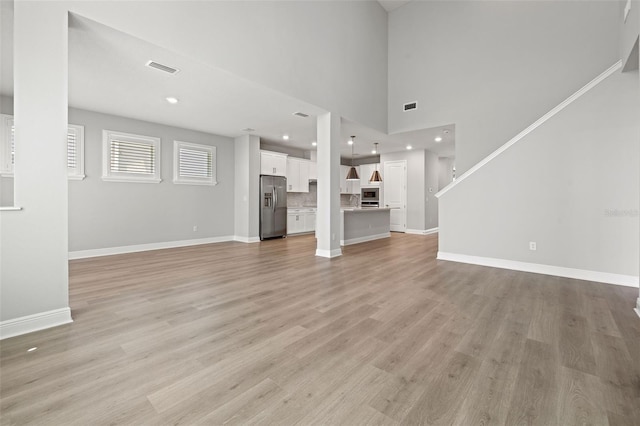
[(132, 157), (195, 163), (72, 149)]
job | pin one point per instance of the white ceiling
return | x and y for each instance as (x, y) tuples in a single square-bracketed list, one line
[(107, 73)]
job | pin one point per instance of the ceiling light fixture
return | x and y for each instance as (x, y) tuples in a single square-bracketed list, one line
[(438, 139), (409, 147), (375, 176), (350, 141), (285, 137), (172, 100), (353, 173), (314, 143)]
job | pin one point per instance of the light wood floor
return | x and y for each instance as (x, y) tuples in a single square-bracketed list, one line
[(267, 333)]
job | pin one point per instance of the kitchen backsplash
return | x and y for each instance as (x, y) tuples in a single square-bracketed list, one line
[(310, 199), (304, 199)]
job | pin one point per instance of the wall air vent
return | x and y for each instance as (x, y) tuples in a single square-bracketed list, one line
[(165, 68), (301, 114), (410, 106)]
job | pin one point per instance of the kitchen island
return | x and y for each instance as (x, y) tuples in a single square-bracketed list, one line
[(358, 225)]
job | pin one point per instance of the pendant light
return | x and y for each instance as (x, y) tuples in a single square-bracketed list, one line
[(353, 173), (375, 176)]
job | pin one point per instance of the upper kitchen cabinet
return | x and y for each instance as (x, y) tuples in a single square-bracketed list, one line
[(366, 170), (297, 175), (348, 186), (313, 170), (273, 163)]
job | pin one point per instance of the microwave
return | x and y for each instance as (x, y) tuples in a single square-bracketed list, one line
[(370, 194)]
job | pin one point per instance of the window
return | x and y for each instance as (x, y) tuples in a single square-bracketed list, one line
[(194, 164), (130, 158), (75, 149), (7, 146), (75, 152)]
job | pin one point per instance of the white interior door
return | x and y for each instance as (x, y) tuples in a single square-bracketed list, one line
[(395, 193)]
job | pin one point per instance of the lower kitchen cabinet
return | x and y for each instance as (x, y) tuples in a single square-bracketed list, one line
[(300, 221)]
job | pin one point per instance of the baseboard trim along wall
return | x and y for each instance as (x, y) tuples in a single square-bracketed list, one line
[(637, 309), (246, 239), (536, 268), (365, 239), (35, 322), (83, 254), (421, 231), (329, 253)]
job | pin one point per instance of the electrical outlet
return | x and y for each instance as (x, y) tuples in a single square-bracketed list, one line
[(532, 246), (195, 228)]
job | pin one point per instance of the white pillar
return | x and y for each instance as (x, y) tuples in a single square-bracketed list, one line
[(247, 182), (34, 241), (328, 215)]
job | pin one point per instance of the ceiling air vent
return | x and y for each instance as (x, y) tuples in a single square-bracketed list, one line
[(165, 68), (301, 114), (410, 106)]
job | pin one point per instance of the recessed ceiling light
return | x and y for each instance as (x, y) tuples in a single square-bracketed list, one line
[(446, 131), (32, 349), (409, 147), (314, 143), (285, 137), (438, 139), (172, 100)]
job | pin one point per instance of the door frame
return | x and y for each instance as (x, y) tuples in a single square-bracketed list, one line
[(404, 190)]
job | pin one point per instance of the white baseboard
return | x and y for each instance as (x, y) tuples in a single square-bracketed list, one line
[(329, 253), (422, 231), (246, 239), (365, 239), (35, 322), (82, 254), (579, 274), (637, 309)]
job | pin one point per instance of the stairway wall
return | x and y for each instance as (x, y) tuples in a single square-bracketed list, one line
[(572, 186)]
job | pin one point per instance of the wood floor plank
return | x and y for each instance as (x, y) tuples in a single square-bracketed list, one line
[(534, 401), (268, 333)]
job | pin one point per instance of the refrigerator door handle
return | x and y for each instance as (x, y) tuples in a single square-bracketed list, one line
[(275, 199)]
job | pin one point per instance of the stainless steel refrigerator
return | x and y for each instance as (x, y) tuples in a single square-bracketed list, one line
[(273, 206)]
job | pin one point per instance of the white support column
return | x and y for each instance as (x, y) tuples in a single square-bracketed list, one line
[(247, 182), (328, 215), (34, 241)]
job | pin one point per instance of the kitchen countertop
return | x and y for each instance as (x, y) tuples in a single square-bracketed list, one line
[(364, 209)]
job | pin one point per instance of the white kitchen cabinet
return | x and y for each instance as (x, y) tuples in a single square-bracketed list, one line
[(297, 175), (348, 186), (295, 223), (273, 163), (313, 170), (301, 220), (310, 222), (366, 170)]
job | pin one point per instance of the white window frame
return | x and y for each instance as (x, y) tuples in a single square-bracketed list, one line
[(76, 173), (186, 180), (107, 175), (7, 167)]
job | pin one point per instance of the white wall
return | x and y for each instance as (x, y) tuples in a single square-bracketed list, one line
[(330, 54), (445, 172), (33, 241), (113, 214), (572, 186), (629, 33), (431, 174), (493, 67)]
